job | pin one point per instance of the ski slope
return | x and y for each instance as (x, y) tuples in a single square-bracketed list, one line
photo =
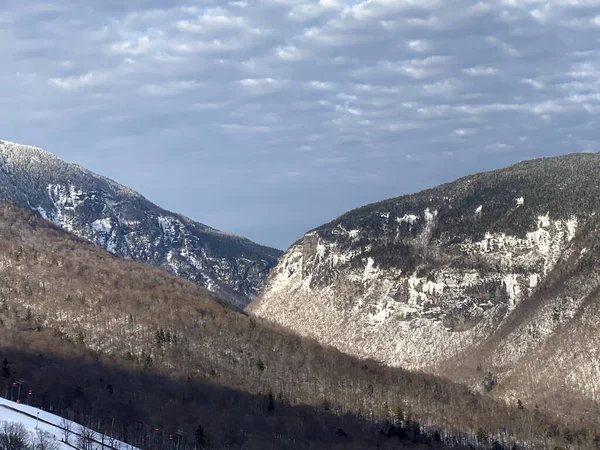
[(28, 417)]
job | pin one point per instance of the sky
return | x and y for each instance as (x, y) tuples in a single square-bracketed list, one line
[(267, 118)]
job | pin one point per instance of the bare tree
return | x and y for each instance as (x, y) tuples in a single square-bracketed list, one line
[(43, 441), (66, 428), (86, 438), (13, 436)]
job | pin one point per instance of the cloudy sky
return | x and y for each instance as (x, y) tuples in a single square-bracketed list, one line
[(269, 117)]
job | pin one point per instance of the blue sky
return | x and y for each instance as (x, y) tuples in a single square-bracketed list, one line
[(267, 118)]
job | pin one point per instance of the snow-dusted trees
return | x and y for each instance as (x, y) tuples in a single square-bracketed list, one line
[(42, 440), (13, 436), (85, 438), (66, 426)]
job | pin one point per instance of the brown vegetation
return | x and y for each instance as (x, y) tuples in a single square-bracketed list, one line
[(74, 320)]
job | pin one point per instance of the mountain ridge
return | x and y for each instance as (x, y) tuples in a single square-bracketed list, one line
[(128, 225), (428, 279)]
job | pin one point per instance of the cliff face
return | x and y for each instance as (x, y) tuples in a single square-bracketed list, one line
[(482, 271), (127, 225)]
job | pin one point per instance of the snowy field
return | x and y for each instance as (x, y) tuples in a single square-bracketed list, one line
[(27, 416)]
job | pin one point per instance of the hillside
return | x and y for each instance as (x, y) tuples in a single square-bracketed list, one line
[(491, 280), (50, 432), (100, 338), (127, 225)]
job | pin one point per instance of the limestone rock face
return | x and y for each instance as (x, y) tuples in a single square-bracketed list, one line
[(482, 271)]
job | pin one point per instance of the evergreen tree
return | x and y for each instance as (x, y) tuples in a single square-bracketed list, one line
[(481, 435), (520, 404), (271, 405), (160, 336), (200, 439), (6, 372)]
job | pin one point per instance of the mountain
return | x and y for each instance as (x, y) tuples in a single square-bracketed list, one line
[(127, 225), (118, 345), (492, 280)]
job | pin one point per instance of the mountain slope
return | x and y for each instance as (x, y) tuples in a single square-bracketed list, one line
[(106, 338), (126, 224), (48, 430), (478, 273)]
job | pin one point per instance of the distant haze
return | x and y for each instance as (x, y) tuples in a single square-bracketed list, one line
[(266, 118)]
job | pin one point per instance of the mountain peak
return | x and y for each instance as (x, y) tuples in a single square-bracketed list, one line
[(24, 153), (128, 225)]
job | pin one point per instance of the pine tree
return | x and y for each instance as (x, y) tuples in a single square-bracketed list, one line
[(200, 439), (520, 404), (271, 405), (6, 372), (160, 336), (481, 435)]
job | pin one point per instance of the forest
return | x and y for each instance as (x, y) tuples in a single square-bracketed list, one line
[(118, 345)]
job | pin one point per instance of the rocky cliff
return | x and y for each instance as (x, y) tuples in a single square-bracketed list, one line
[(477, 274)]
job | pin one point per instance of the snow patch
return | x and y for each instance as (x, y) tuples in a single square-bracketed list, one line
[(370, 272), (50, 424), (534, 280), (429, 215), (321, 249), (513, 290), (43, 214), (407, 218)]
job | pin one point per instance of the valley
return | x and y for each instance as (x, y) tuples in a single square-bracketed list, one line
[(101, 337), (427, 320)]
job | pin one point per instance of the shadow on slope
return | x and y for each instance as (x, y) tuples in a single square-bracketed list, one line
[(145, 409)]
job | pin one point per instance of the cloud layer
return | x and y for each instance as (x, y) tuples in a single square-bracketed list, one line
[(269, 117)]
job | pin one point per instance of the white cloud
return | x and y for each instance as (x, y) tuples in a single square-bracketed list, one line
[(310, 11), (170, 88), (208, 46), (211, 21), (480, 71), (289, 53), (341, 80), (321, 85), (419, 45), (76, 82), (137, 47)]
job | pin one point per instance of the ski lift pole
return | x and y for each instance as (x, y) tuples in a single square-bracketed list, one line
[(20, 383)]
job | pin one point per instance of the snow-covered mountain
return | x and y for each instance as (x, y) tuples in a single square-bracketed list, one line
[(127, 225), (480, 273), (52, 430)]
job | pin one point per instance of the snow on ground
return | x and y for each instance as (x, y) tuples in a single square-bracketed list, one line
[(27, 416)]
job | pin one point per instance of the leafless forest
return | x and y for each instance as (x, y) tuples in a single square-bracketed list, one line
[(116, 344)]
